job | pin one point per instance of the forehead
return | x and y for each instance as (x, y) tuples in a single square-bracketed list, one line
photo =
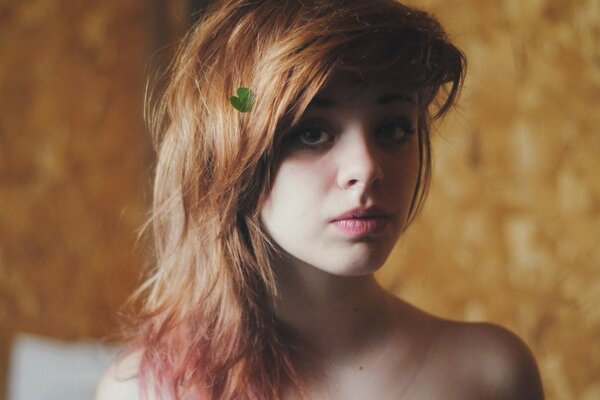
[(343, 87)]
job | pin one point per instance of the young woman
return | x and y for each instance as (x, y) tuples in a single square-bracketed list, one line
[(293, 151)]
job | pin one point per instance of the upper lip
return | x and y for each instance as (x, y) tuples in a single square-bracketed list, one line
[(363, 212)]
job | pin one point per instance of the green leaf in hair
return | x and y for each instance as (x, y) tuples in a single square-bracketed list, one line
[(243, 101)]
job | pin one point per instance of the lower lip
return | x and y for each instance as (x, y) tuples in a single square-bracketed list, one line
[(362, 226)]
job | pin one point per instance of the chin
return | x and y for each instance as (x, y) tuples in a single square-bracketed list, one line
[(358, 260), (357, 267)]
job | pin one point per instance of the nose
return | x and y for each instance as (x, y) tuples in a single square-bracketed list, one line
[(359, 165)]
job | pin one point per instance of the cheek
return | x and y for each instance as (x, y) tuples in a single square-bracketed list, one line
[(405, 176), (412, 170), (289, 196), (404, 166), (297, 181), (294, 208)]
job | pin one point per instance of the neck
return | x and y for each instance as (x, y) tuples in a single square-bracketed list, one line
[(336, 316)]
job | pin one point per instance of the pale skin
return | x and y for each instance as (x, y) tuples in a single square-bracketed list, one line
[(355, 148)]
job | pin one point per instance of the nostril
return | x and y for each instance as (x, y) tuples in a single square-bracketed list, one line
[(372, 182)]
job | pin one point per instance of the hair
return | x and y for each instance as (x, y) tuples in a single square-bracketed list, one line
[(205, 326)]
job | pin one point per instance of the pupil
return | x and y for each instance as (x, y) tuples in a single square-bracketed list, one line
[(392, 131), (312, 136)]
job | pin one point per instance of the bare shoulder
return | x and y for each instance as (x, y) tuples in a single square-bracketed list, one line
[(498, 361), (120, 381)]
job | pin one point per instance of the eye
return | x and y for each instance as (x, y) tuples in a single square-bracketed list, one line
[(313, 137), (395, 131)]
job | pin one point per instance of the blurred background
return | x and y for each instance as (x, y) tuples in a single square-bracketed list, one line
[(510, 232)]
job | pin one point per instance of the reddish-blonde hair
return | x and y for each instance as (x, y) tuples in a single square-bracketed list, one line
[(205, 328)]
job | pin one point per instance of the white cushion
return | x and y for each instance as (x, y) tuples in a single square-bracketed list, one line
[(48, 369)]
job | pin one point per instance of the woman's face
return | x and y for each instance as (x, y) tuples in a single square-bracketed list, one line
[(341, 195)]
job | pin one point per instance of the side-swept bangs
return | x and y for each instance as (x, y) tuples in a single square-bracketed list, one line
[(381, 41)]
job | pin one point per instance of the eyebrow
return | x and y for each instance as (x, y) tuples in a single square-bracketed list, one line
[(396, 97), (325, 102)]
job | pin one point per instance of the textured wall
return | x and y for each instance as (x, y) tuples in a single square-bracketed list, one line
[(511, 230), (509, 233), (72, 164)]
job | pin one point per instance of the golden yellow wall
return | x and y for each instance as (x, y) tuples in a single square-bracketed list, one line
[(509, 233), (73, 161), (511, 230)]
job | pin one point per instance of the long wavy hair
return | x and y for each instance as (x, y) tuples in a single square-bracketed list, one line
[(204, 325)]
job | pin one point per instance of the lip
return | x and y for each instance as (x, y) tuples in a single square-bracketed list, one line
[(362, 221)]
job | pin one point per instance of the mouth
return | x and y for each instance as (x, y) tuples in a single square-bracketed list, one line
[(363, 221), (363, 213)]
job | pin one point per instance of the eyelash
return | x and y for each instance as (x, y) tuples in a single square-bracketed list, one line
[(299, 136), (405, 127)]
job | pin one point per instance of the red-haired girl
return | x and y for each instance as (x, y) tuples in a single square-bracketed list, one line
[(293, 151)]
